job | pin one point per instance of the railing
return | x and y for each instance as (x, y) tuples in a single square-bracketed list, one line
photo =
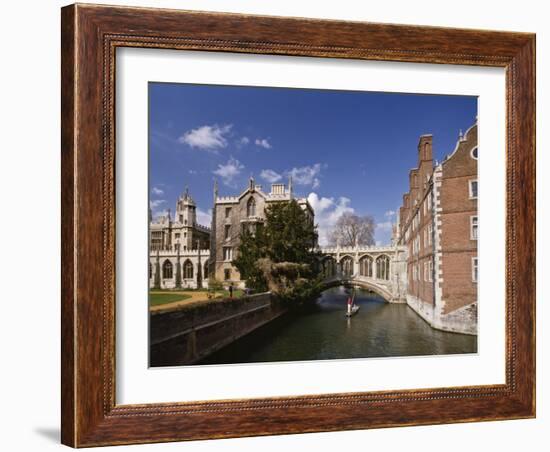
[(174, 252), (361, 249)]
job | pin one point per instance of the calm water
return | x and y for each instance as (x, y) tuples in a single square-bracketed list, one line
[(378, 329)]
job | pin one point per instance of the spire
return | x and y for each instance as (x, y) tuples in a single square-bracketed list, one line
[(215, 190), (290, 186), (251, 183), (169, 215), (186, 191), (460, 135)]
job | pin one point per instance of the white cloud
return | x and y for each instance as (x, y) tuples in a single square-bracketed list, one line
[(270, 176), (243, 141), (191, 171), (157, 191), (160, 213), (307, 175), (154, 203), (209, 138), (229, 171), (204, 218), (384, 226), (389, 213), (327, 211), (263, 142)]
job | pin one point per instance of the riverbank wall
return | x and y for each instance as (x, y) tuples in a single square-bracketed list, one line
[(190, 333), (463, 320)]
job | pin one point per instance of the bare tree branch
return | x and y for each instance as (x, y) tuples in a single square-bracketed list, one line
[(352, 230)]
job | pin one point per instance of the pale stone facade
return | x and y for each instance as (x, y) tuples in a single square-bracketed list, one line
[(381, 269), (179, 248)]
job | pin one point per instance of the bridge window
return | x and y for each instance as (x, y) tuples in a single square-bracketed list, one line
[(188, 269), (167, 270), (383, 267), (365, 266), (251, 208), (347, 266), (329, 267)]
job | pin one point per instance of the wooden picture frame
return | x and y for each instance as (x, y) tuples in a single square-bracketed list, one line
[(90, 36)]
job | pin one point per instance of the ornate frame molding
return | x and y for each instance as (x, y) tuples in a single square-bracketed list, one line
[(90, 37)]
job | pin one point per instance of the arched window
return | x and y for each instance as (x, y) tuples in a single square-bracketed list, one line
[(329, 267), (383, 267), (205, 271), (347, 266), (251, 208), (473, 153), (188, 269), (167, 270), (365, 266)]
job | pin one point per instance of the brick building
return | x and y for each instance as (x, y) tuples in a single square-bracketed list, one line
[(438, 224)]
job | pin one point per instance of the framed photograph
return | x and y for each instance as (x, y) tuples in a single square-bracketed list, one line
[(281, 225)]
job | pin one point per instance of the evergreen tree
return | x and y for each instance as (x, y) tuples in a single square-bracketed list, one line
[(288, 236)]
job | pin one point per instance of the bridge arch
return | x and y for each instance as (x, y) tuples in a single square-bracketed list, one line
[(361, 283)]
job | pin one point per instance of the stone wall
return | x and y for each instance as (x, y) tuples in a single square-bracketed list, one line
[(462, 320), (187, 334)]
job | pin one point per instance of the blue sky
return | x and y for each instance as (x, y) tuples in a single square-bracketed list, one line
[(348, 151)]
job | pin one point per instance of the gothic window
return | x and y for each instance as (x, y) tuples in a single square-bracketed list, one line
[(328, 267), (188, 269), (205, 271), (167, 270), (383, 267), (227, 212), (365, 266), (227, 232), (227, 253), (150, 270), (227, 274), (251, 208), (347, 266), (181, 218), (474, 269)]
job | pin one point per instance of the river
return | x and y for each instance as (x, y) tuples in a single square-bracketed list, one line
[(379, 329)]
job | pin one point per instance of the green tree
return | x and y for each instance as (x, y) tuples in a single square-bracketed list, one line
[(284, 248)]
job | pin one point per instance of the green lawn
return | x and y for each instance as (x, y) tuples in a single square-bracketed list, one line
[(156, 299)]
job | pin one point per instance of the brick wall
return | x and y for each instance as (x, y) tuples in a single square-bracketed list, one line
[(457, 244)]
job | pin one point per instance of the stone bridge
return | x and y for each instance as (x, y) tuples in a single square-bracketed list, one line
[(381, 269)]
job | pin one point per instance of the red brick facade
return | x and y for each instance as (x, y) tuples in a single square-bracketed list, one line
[(438, 225), (458, 199)]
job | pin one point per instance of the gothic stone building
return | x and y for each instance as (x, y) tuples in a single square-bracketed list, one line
[(438, 223), (179, 248), (233, 213)]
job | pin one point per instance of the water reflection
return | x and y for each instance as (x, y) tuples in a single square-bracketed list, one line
[(379, 329)]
